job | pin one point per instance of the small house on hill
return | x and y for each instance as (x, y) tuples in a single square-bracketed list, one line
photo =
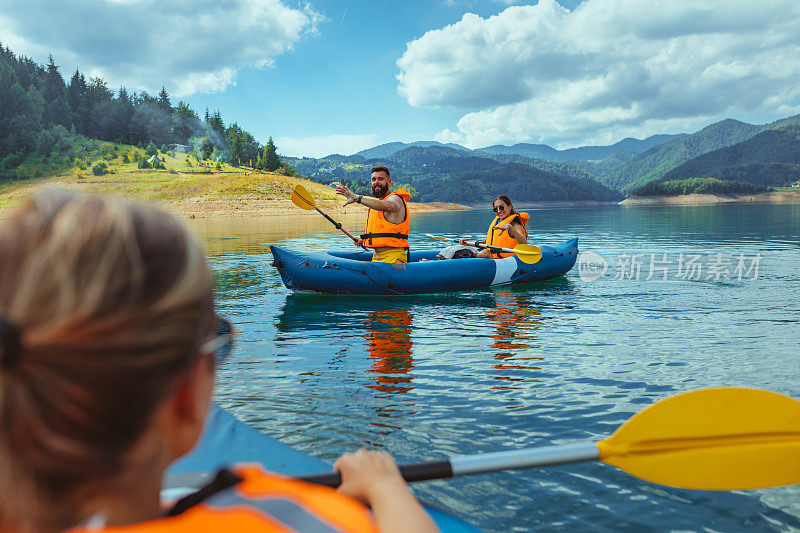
[(178, 148)]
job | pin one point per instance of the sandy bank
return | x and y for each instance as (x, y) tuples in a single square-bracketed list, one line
[(243, 206), (778, 197)]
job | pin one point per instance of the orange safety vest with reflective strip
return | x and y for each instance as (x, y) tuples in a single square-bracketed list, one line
[(382, 233), (502, 237), (263, 503)]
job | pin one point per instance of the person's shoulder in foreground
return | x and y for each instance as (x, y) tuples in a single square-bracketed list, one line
[(108, 343)]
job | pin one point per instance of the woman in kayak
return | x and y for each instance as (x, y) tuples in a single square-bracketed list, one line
[(507, 230), (108, 342)]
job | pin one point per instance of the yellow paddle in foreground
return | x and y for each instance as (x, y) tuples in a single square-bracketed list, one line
[(713, 439), (303, 199), (527, 253)]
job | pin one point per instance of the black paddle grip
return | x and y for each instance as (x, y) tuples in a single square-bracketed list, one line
[(411, 472)]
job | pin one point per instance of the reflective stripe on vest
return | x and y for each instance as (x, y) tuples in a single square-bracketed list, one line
[(381, 233), (284, 510), (261, 503), (503, 237)]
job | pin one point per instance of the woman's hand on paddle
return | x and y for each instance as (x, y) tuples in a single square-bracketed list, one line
[(344, 191), (374, 479), (462, 241), (367, 475)]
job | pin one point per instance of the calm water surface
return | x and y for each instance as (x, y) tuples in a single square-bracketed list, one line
[(556, 362)]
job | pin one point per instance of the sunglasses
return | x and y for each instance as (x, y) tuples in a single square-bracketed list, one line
[(499, 208), (221, 345)]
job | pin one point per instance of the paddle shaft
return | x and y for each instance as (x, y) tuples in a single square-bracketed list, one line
[(479, 244), (338, 225), (481, 463)]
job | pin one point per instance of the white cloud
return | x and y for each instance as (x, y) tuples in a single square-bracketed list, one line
[(323, 145), (188, 46), (608, 69)]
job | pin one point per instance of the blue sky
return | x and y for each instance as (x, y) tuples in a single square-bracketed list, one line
[(338, 76)]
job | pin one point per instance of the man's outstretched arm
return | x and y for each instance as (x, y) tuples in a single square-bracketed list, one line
[(392, 204)]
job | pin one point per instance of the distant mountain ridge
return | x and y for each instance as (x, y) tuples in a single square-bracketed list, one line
[(581, 153), (655, 162), (387, 149), (535, 151)]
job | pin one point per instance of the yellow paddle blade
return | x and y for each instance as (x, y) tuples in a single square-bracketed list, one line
[(302, 198), (528, 253), (435, 237), (714, 439)]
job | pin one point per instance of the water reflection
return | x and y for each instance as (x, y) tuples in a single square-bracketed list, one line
[(251, 235), (515, 325), (388, 335)]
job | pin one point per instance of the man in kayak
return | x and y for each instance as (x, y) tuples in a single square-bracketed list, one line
[(387, 218)]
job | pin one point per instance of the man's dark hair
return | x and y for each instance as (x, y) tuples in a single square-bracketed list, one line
[(381, 169)]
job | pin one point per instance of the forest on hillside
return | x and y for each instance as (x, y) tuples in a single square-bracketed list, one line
[(771, 158), (698, 186), (46, 122)]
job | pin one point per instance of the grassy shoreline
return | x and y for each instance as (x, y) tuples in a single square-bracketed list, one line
[(197, 191)]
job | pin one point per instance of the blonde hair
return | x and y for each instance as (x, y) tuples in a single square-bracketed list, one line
[(104, 303)]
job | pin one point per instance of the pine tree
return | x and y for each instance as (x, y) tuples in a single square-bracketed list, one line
[(163, 100), (236, 148), (184, 122), (20, 115), (216, 124), (56, 109), (269, 157), (100, 97), (78, 99)]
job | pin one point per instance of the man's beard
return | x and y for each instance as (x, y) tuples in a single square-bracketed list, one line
[(379, 191)]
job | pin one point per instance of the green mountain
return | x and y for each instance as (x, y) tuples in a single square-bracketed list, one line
[(439, 173), (521, 182), (770, 158), (652, 164), (578, 170)]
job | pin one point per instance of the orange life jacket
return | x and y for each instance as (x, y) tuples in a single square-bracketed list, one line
[(502, 237), (262, 503), (382, 233)]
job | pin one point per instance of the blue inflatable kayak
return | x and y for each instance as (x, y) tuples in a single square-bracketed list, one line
[(345, 272), (226, 441)]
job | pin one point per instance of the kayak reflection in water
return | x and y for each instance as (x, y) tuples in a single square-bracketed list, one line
[(508, 229), (515, 324), (389, 342), (108, 345)]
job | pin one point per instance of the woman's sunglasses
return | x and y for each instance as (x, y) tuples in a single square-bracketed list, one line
[(499, 208), (221, 345)]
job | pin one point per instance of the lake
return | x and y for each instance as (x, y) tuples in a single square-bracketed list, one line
[(672, 299)]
